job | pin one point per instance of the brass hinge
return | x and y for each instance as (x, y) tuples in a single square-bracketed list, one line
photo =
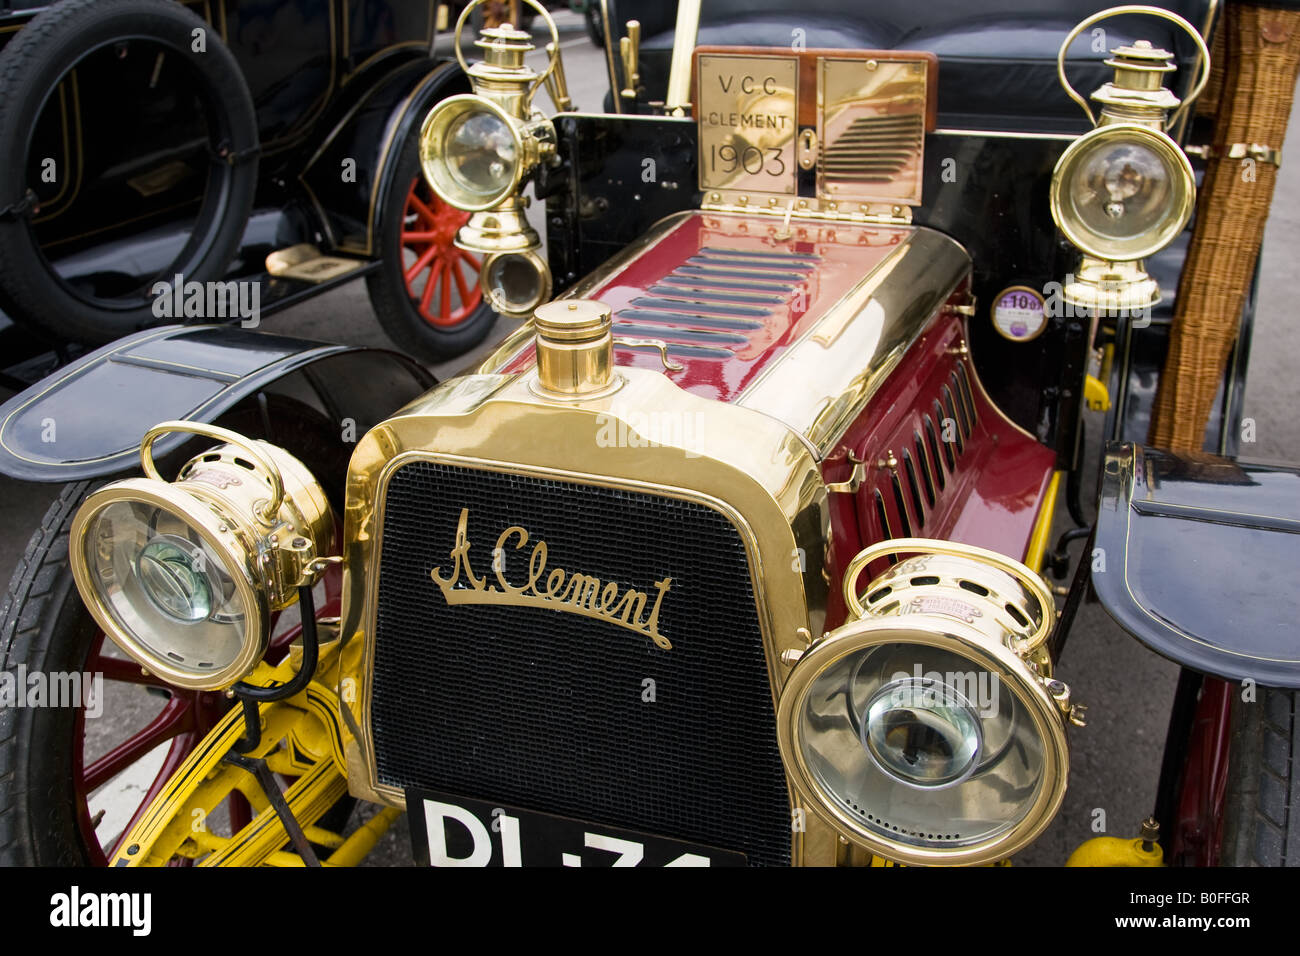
[(859, 474), (1255, 151), (806, 210)]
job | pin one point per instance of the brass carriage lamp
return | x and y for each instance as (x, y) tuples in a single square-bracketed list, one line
[(1125, 190), (477, 150), (184, 575)]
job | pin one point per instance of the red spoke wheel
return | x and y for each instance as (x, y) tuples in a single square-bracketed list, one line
[(426, 292), (184, 718), (441, 279)]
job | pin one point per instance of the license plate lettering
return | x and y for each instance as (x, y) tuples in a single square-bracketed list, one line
[(449, 831)]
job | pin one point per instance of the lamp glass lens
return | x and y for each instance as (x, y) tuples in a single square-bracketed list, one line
[(515, 283), (166, 586), (1122, 191), (481, 153), (921, 746)]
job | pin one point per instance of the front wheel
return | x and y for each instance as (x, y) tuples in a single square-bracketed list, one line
[(426, 291), (1261, 825), (94, 738)]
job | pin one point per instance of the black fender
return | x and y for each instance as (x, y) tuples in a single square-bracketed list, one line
[(367, 138), (86, 420), (1195, 556)]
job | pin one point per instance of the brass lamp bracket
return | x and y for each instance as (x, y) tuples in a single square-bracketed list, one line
[(629, 48), (1255, 151)]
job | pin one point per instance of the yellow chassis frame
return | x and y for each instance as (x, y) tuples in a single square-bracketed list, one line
[(302, 738)]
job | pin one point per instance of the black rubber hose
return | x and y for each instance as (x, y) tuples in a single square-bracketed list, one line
[(310, 656)]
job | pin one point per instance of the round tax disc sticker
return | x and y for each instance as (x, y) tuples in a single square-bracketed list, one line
[(1019, 313)]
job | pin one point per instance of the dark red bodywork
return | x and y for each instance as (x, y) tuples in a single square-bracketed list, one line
[(965, 473)]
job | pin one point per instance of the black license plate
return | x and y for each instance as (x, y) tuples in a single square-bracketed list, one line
[(448, 830)]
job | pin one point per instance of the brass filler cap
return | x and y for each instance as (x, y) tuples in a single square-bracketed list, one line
[(575, 347)]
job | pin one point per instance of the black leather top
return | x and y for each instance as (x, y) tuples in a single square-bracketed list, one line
[(997, 57)]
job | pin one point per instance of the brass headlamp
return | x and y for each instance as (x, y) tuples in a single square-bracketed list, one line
[(1124, 191), (184, 575), (928, 728)]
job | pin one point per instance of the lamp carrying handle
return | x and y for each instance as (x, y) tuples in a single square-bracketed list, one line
[(1136, 8), (272, 507), (552, 48), (923, 546)]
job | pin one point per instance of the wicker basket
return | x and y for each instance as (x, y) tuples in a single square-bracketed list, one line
[(1263, 56)]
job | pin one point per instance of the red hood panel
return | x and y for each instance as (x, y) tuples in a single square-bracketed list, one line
[(729, 298)]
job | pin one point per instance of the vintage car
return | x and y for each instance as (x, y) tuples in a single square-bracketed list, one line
[(738, 551), (260, 151)]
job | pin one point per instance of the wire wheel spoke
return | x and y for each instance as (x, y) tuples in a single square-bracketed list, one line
[(428, 242), (176, 717), (430, 283), (421, 264)]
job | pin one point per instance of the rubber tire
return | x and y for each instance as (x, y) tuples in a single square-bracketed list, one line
[(30, 69), (1261, 822), (42, 624), (387, 286), (595, 25)]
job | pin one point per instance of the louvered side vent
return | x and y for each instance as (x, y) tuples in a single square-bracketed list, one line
[(874, 149), (913, 487), (907, 496), (967, 397)]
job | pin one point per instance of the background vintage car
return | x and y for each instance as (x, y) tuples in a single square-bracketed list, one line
[(265, 143), (1120, 650)]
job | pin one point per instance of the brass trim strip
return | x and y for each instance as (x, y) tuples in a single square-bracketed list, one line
[(1003, 134), (614, 86), (1042, 529)]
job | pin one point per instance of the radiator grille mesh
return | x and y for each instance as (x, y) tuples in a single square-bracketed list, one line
[(547, 710)]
